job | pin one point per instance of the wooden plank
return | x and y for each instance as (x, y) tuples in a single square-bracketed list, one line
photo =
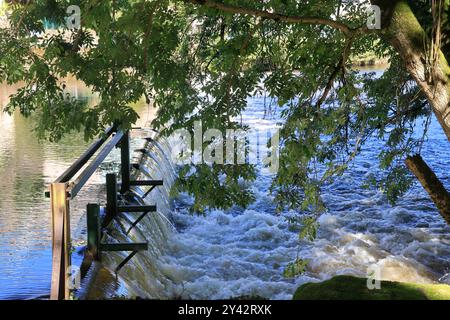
[(136, 209), (67, 245), (60, 241), (138, 246), (90, 170)]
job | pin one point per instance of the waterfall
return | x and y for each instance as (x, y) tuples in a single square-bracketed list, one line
[(143, 275), (242, 252)]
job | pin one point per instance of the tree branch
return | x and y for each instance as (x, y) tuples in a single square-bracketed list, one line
[(340, 66), (431, 184), (279, 17)]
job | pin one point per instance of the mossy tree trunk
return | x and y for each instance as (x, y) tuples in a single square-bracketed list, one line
[(409, 39)]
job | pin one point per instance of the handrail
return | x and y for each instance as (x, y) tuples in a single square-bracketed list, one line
[(90, 170), (62, 190), (84, 158)]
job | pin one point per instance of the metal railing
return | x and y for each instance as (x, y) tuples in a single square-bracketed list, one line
[(66, 187), (63, 190)]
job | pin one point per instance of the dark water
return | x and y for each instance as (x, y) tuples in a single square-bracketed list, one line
[(26, 169)]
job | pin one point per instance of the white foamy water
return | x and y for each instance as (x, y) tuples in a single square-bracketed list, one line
[(244, 252)]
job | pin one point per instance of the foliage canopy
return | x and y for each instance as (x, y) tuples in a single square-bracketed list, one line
[(201, 60)]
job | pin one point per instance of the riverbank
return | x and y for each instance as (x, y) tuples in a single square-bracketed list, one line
[(369, 59), (352, 288)]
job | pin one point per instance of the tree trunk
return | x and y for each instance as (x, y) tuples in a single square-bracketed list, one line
[(408, 38), (431, 184)]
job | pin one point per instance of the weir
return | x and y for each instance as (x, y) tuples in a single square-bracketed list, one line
[(133, 223), (243, 252)]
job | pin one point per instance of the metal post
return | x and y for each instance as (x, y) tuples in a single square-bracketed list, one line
[(61, 243), (93, 230), (125, 162), (111, 198)]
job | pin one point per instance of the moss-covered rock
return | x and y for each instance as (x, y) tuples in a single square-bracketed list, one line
[(352, 288)]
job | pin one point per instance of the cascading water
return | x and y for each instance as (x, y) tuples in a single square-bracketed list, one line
[(243, 252), (143, 275)]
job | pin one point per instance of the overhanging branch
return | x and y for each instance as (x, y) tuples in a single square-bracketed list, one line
[(339, 67), (431, 184), (279, 17)]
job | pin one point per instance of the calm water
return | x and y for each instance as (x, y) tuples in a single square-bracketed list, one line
[(26, 169)]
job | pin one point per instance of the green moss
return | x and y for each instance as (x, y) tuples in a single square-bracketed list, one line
[(405, 20), (352, 288)]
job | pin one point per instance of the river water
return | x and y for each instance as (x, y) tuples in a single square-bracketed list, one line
[(27, 167), (244, 252), (224, 254)]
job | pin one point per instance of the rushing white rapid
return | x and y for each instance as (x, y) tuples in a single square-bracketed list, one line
[(244, 252)]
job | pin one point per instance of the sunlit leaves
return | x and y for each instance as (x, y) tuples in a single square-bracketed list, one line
[(217, 186), (295, 268), (197, 63)]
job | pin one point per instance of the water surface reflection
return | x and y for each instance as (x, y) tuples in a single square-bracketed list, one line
[(27, 166)]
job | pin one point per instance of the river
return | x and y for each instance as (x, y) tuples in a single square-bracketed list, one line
[(234, 253), (27, 167), (244, 252)]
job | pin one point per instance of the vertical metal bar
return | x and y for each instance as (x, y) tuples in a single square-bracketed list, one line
[(61, 244), (111, 198), (125, 162), (93, 230)]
